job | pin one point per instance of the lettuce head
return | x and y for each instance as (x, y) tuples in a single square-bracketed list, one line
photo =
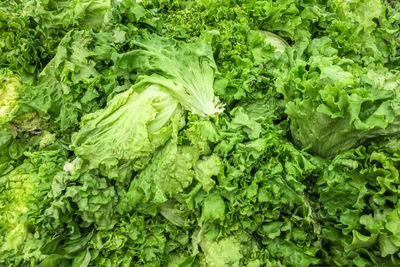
[(127, 131)]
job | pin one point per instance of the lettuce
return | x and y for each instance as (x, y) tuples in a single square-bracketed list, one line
[(128, 131), (199, 133), (169, 172), (184, 70), (335, 104), (274, 40), (23, 200), (10, 85)]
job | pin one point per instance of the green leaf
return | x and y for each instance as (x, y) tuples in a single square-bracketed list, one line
[(129, 129), (225, 252), (183, 70), (168, 173), (213, 207), (205, 169)]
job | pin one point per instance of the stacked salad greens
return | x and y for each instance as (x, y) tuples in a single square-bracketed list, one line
[(199, 133)]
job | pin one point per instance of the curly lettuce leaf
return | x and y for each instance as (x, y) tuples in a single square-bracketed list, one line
[(184, 70), (23, 200), (359, 206), (10, 85), (333, 103), (169, 172)]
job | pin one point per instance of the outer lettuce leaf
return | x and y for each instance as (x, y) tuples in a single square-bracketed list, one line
[(128, 131), (168, 173), (184, 70), (205, 169), (225, 252)]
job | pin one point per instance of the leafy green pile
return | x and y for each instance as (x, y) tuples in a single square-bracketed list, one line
[(199, 133)]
